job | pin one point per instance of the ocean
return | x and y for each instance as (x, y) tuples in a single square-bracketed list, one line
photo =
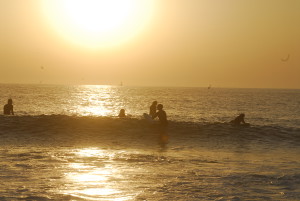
[(67, 143)]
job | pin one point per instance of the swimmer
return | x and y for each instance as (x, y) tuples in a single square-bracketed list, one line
[(161, 114), (122, 113), (8, 108), (152, 111), (239, 120)]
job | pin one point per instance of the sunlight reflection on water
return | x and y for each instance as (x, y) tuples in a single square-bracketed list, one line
[(91, 179), (95, 101), (94, 193), (89, 152)]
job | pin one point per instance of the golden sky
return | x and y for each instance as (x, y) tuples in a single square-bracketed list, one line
[(225, 43)]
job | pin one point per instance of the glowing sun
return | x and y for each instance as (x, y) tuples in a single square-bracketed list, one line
[(98, 23)]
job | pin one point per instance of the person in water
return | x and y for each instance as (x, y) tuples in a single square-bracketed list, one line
[(152, 111), (163, 134), (162, 115), (239, 120), (122, 113), (8, 108)]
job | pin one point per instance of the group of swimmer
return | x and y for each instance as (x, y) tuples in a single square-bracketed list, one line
[(161, 114), (156, 110)]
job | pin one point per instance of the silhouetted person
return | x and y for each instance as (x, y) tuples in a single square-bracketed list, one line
[(239, 120), (152, 111), (163, 134), (8, 108), (122, 113), (162, 116)]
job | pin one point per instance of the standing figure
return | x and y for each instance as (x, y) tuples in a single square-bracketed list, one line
[(8, 108), (152, 111), (163, 134)]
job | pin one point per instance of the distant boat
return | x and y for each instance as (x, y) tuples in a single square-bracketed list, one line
[(209, 86), (121, 84)]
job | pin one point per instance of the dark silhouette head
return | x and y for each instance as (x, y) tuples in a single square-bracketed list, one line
[(154, 103), (160, 106), (9, 101), (122, 113), (242, 115)]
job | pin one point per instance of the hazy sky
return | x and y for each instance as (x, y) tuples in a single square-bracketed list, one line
[(225, 43)]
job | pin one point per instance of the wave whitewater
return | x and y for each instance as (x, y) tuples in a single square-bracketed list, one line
[(62, 128)]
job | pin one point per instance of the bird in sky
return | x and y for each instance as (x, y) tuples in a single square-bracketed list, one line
[(286, 58)]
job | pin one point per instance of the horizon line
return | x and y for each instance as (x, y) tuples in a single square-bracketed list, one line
[(154, 86)]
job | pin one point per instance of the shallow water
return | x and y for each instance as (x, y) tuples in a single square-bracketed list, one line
[(64, 143)]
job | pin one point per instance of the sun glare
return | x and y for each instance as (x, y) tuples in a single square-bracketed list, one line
[(98, 23)]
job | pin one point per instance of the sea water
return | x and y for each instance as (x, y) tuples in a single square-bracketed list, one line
[(66, 143)]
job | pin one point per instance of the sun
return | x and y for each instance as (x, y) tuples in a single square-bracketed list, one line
[(98, 23)]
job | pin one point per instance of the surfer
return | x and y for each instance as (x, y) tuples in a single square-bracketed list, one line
[(152, 111), (239, 120), (8, 108), (162, 116), (122, 113)]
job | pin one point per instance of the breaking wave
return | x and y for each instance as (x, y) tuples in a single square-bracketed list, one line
[(52, 129)]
